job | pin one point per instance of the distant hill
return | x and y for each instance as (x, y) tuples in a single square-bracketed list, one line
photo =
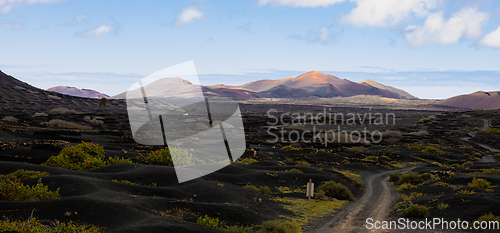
[(73, 91), (402, 94), (476, 100), (311, 84), (17, 94)]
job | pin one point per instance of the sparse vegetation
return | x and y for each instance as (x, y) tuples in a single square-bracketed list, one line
[(84, 156), (479, 183), (372, 158), (262, 189), (432, 150), (416, 211), (442, 207), (489, 217), (68, 124), (246, 161), (22, 174), (290, 147), (294, 170), (33, 225), (164, 157), (394, 176), (275, 226), (442, 184), (17, 191), (62, 111)]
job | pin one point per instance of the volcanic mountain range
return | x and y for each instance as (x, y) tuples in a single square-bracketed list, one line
[(86, 93), (311, 84)]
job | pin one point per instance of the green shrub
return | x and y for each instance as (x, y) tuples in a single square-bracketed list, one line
[(164, 157), (410, 178), (336, 190), (22, 174), (394, 176), (275, 226), (294, 170), (345, 161), (246, 161), (84, 156), (160, 157), (493, 130), (442, 207), (118, 160), (251, 187), (265, 190), (479, 183), (442, 184), (17, 191), (496, 156), (414, 146), (33, 225), (416, 211), (467, 164), (290, 147), (432, 150), (239, 229), (372, 158), (478, 155), (320, 195), (488, 218), (208, 221), (425, 176)]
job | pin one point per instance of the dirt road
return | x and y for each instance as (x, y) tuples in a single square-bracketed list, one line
[(376, 202)]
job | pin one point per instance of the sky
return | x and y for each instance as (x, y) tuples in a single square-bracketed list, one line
[(433, 49)]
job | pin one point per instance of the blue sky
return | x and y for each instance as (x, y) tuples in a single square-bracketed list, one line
[(430, 48)]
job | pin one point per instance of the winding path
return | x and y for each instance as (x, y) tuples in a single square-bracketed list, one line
[(376, 202)]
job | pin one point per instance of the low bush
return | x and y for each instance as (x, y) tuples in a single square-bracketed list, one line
[(68, 124), (489, 217), (432, 150), (345, 161), (416, 211), (410, 178), (62, 111), (208, 221), (425, 176), (262, 189), (275, 226), (320, 195), (336, 190), (496, 156), (394, 176), (82, 157), (290, 147), (392, 134), (442, 207), (420, 133), (294, 170), (415, 146), (17, 191), (164, 157), (479, 183), (22, 174), (493, 130), (33, 225), (442, 184), (246, 161), (372, 158)]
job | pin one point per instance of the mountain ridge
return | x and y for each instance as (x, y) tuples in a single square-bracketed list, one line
[(310, 84), (74, 91)]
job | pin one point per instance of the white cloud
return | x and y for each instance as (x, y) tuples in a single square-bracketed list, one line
[(95, 32), (386, 12), (467, 22), (80, 17), (188, 14), (7, 5), (492, 39), (300, 3)]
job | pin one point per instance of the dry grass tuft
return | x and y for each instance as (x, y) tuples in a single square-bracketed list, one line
[(62, 111), (68, 124)]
